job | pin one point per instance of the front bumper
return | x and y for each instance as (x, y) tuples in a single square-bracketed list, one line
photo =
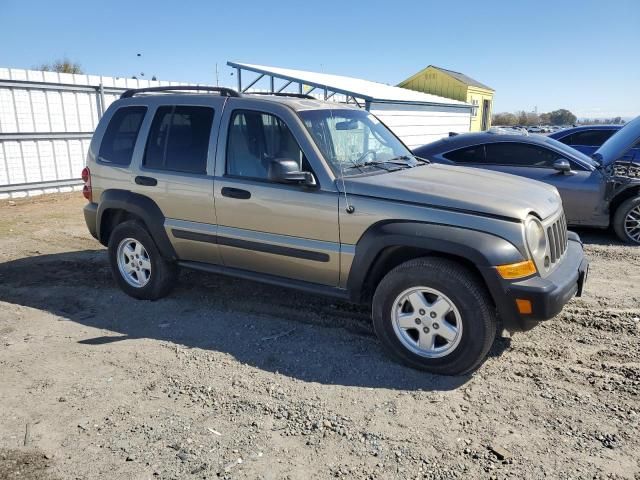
[(547, 295)]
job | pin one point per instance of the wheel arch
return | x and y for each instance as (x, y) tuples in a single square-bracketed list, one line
[(117, 206), (388, 244), (621, 197)]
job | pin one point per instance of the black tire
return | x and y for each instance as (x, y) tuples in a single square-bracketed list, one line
[(620, 217), (463, 288), (163, 274)]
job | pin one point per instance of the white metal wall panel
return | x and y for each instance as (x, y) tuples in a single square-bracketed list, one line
[(31, 162), (56, 112), (7, 111), (4, 172), (14, 163), (57, 107), (23, 110), (47, 160), (417, 125)]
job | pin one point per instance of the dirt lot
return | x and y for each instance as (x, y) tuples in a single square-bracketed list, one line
[(238, 380)]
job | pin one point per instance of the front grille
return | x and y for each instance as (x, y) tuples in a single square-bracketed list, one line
[(557, 238)]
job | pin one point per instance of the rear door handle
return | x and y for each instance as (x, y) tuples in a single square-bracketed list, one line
[(236, 193), (146, 181)]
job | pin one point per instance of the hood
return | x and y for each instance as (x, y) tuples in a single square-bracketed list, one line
[(619, 143), (463, 188)]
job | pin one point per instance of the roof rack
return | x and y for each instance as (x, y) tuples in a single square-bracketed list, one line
[(284, 94), (226, 92)]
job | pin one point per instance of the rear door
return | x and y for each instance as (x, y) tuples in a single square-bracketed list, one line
[(176, 171), (287, 230)]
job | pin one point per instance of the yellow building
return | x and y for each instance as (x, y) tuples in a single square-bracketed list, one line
[(458, 86)]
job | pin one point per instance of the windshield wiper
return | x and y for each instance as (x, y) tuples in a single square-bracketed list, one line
[(405, 161), (376, 164)]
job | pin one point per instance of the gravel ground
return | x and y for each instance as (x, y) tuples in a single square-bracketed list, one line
[(232, 379)]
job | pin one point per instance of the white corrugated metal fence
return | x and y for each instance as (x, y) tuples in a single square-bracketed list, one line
[(46, 123)]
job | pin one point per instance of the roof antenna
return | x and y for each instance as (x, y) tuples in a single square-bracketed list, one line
[(350, 208)]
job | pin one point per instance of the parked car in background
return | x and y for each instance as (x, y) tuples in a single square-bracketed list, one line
[(598, 191), (535, 129), (589, 138), (507, 130)]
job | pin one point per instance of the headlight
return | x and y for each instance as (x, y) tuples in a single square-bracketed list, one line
[(536, 240)]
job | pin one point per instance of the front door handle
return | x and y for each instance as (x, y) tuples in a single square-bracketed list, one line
[(146, 181), (236, 193)]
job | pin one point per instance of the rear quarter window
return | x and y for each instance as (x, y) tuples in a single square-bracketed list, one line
[(474, 154), (120, 136)]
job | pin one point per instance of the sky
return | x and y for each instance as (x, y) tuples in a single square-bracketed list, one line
[(579, 55)]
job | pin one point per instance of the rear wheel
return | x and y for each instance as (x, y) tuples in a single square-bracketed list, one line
[(136, 264), (435, 315), (626, 221)]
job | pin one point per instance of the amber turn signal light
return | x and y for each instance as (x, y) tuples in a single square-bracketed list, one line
[(524, 306), (517, 270)]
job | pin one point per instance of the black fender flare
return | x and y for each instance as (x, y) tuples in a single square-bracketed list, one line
[(140, 206), (482, 249)]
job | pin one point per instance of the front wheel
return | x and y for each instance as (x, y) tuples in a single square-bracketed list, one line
[(626, 221), (435, 315)]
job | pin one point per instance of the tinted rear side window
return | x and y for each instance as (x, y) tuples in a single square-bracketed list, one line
[(588, 138), (179, 139), (473, 154), (121, 134), (520, 154)]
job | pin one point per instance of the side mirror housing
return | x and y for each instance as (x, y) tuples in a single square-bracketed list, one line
[(562, 165), (285, 170)]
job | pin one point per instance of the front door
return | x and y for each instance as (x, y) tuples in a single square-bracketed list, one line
[(287, 230)]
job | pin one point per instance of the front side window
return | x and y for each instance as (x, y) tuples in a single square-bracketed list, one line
[(520, 154), (254, 140), (349, 138), (179, 139), (121, 134)]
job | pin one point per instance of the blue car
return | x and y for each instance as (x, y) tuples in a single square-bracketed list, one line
[(590, 138), (600, 190)]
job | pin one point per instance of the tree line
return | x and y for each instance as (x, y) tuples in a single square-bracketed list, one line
[(557, 117)]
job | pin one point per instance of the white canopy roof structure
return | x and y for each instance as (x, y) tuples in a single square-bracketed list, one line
[(356, 88)]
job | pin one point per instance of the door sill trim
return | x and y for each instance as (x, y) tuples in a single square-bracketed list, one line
[(315, 288)]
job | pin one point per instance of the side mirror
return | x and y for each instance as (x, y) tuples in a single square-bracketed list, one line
[(562, 165), (285, 170)]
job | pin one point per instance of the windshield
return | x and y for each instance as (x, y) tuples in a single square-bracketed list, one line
[(571, 152), (353, 141)]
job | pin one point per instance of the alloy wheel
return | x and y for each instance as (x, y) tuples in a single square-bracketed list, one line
[(632, 224), (427, 322), (134, 263)]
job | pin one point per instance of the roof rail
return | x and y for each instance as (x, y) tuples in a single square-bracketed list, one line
[(284, 94), (226, 92)]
